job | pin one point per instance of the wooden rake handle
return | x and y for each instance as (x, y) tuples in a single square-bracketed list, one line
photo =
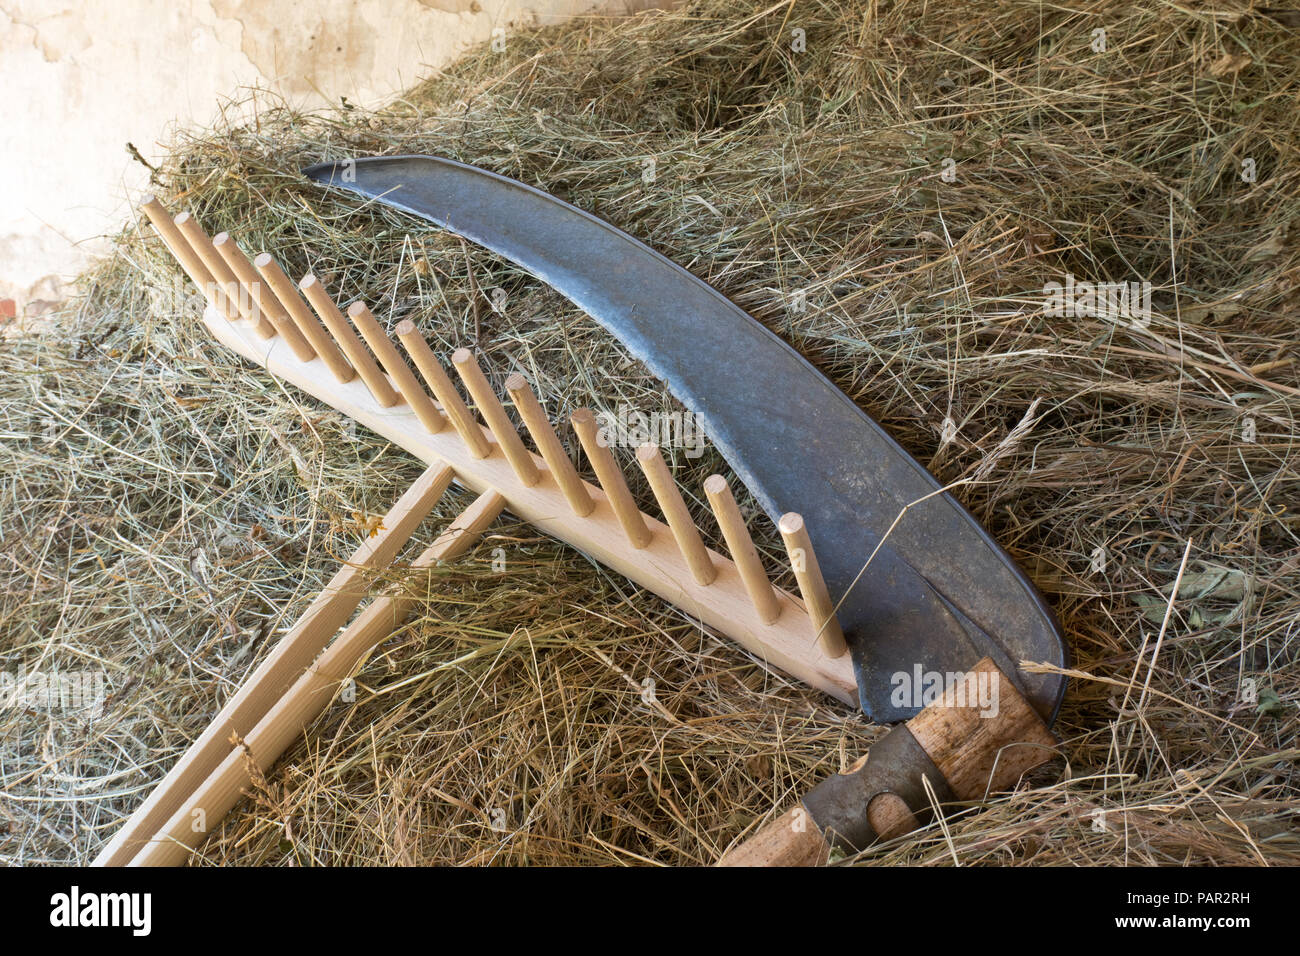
[(287, 660), (203, 809), (979, 737)]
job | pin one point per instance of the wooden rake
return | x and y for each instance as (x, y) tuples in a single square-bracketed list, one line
[(351, 363), (293, 684)]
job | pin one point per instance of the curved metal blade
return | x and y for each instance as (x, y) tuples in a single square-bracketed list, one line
[(939, 595)]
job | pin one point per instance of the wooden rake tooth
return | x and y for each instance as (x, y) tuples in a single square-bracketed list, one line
[(812, 585), (549, 444), (498, 422), (300, 317), (221, 273), (741, 545), (189, 259), (360, 359), (453, 406), (392, 361), (306, 698), (282, 666), (611, 479), (689, 542), (266, 307)]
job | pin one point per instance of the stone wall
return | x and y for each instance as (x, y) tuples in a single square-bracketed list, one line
[(83, 79)]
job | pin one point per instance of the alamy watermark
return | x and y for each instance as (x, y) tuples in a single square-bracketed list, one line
[(74, 908), (628, 427), (54, 690), (918, 688), (178, 296), (1103, 300)]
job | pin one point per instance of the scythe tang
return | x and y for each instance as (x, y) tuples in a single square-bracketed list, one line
[(938, 596)]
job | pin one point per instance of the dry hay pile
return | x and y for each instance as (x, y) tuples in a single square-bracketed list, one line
[(167, 510)]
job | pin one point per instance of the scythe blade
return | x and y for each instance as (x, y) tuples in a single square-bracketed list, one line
[(939, 593)]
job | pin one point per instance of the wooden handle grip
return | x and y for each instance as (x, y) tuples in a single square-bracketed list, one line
[(980, 737), (792, 839)]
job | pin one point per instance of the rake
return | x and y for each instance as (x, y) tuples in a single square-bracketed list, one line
[(300, 335)]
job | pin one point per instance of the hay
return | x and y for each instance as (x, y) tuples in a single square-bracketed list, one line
[(166, 509)]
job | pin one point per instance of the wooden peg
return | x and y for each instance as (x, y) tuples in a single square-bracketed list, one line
[(548, 443), (360, 359), (611, 479), (300, 316), (265, 306), (225, 279), (671, 504), (306, 698), (189, 260), (282, 666), (440, 384), (397, 369), (498, 422), (742, 549), (811, 584)]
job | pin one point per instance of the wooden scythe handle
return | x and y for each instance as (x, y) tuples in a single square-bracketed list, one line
[(976, 749)]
